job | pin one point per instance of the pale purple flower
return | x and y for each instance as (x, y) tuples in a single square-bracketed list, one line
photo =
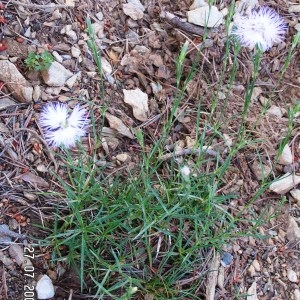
[(62, 128), (262, 27)]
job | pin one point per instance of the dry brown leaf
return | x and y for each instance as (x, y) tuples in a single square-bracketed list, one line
[(34, 180), (113, 56)]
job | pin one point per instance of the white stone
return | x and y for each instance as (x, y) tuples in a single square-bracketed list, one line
[(53, 90), (285, 183), (197, 4), (137, 3), (71, 81), (6, 102), (98, 29), (134, 9), (261, 170), (292, 276), (72, 34), (294, 9), (123, 157), (286, 157), (45, 288), (106, 66), (252, 292), (17, 253), (295, 194), (224, 11), (208, 16), (36, 93), (293, 231), (27, 92), (56, 75), (275, 111), (256, 265), (66, 28), (57, 57), (56, 15), (75, 52), (297, 294), (138, 100), (99, 16), (256, 92), (28, 32), (14, 81)]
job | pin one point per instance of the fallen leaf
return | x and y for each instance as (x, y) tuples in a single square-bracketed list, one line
[(138, 100)]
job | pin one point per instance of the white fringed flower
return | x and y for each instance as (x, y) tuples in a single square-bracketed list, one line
[(61, 128), (263, 27)]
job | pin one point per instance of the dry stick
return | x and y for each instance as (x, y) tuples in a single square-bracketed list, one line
[(8, 232), (177, 22), (39, 6), (189, 151)]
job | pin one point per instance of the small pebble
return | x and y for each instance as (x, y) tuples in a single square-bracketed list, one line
[(256, 265), (226, 259), (297, 294), (251, 271), (292, 276)]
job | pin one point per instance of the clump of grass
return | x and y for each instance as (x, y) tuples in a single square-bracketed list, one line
[(149, 232), (152, 232)]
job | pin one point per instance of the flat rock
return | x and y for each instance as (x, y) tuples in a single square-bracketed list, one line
[(294, 9), (138, 100), (36, 93), (3, 237), (198, 3), (205, 16), (123, 157), (275, 111), (256, 93), (297, 294), (71, 81), (260, 170), (6, 102), (296, 195), (292, 275), (75, 52), (134, 9), (293, 231), (14, 81), (286, 157), (16, 49), (252, 292), (118, 125), (285, 183), (56, 75), (17, 253)]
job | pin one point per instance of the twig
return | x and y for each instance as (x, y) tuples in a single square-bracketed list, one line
[(177, 22), (189, 151), (5, 231), (40, 6)]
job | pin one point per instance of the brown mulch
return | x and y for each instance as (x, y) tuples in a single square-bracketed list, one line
[(23, 151)]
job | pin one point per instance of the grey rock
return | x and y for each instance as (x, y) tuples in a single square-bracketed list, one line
[(56, 75)]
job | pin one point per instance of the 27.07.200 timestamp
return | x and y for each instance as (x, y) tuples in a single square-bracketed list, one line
[(29, 293)]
